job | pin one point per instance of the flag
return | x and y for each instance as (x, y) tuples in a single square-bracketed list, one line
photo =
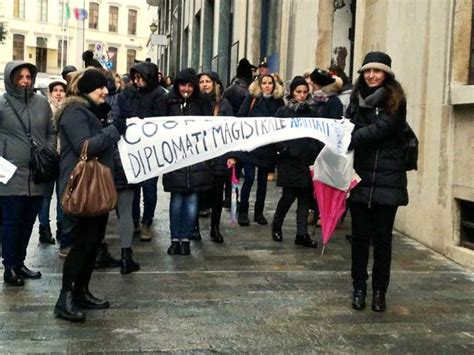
[(67, 11), (80, 14)]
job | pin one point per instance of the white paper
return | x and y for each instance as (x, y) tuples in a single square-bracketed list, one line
[(7, 170)]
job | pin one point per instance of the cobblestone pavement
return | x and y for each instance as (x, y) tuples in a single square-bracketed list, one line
[(248, 295)]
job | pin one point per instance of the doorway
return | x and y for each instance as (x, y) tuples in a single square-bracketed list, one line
[(41, 59)]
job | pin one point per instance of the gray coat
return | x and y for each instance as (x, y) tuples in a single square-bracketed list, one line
[(36, 113), (77, 123)]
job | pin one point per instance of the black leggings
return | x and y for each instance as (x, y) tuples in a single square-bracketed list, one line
[(286, 200), (87, 235), (217, 199)]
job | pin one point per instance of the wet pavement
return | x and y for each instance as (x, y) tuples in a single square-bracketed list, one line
[(248, 295)]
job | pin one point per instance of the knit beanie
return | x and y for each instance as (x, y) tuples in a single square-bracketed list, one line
[(91, 80), (244, 70), (213, 76), (297, 81), (321, 77), (377, 60)]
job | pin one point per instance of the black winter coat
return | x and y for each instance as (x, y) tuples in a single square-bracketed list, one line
[(150, 100), (236, 93), (219, 164), (333, 108), (379, 155), (295, 156)]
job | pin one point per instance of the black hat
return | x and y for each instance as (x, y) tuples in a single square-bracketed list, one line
[(321, 77), (212, 75), (68, 69), (87, 55), (244, 70), (297, 81), (377, 60), (56, 83), (91, 80)]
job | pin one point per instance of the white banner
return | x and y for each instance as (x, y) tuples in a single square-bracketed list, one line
[(157, 145)]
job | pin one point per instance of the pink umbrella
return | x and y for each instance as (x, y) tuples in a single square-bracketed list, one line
[(331, 204), (234, 197)]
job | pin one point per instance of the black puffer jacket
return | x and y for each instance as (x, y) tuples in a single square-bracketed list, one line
[(197, 177), (332, 108), (378, 156), (236, 93), (296, 155), (150, 100)]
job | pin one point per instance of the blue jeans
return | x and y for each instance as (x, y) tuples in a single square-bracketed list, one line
[(150, 197), (19, 215), (183, 215), (249, 177)]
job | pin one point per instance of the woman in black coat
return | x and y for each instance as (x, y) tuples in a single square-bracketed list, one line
[(211, 87), (264, 99), (378, 110), (78, 121), (294, 158), (185, 183)]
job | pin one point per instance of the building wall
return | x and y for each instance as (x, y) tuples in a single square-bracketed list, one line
[(78, 39)]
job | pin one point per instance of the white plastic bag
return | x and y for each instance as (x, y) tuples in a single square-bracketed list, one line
[(333, 169)]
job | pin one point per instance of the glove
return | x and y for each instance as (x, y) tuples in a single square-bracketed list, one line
[(121, 125)]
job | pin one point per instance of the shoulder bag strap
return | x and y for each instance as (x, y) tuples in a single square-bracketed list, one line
[(17, 115), (252, 104), (217, 107)]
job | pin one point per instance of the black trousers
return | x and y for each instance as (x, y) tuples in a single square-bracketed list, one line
[(216, 199), (87, 235), (374, 224), (289, 195)]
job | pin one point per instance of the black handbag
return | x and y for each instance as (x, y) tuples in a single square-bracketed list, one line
[(410, 147), (44, 161)]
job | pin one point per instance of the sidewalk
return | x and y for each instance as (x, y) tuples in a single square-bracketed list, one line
[(248, 295)]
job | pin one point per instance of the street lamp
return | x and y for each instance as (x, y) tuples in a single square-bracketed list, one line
[(153, 28)]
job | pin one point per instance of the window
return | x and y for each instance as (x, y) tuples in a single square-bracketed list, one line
[(131, 55), (62, 53), (112, 55), (91, 47), (19, 9), (93, 15), (18, 47), (113, 19), (132, 22), (43, 10)]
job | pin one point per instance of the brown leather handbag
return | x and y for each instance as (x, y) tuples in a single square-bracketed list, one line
[(90, 190)]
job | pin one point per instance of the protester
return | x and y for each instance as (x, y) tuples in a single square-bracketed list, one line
[(378, 110), (21, 198), (294, 158), (238, 90), (78, 121), (262, 69), (185, 184), (89, 61), (264, 99), (211, 86), (146, 99), (326, 87), (68, 72), (57, 93)]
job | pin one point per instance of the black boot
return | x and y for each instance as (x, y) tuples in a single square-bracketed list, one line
[(243, 218), (197, 233), (185, 248), (128, 264), (85, 299), (306, 241), (258, 216), (358, 299), (378, 301), (174, 248), (46, 236), (216, 235), (26, 273), (277, 234), (66, 309), (12, 278), (104, 259)]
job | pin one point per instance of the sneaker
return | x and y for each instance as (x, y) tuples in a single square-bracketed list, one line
[(146, 233), (63, 252)]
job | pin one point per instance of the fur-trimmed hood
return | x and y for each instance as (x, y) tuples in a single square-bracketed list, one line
[(256, 91), (69, 101)]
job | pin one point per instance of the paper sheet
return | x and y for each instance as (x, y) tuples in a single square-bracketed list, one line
[(7, 170)]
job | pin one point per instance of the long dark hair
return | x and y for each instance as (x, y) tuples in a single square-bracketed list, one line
[(394, 100)]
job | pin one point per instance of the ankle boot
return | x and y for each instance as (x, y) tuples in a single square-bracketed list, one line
[(85, 299), (12, 278), (378, 301), (185, 248), (258, 216), (45, 235), (216, 235), (358, 299), (277, 234), (306, 241), (243, 218), (174, 248), (196, 233), (128, 265), (66, 309), (104, 259)]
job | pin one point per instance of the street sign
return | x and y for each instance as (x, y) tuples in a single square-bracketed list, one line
[(159, 40)]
